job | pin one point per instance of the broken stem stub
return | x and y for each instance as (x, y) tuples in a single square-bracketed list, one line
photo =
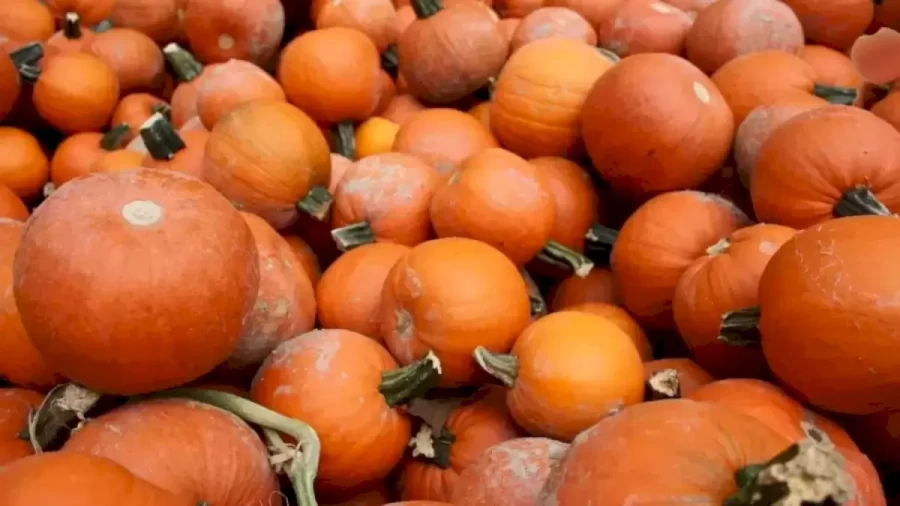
[(160, 137), (598, 243), (353, 235), (63, 409), (741, 327), (316, 203), (399, 386), (859, 201), (556, 254), (664, 384)]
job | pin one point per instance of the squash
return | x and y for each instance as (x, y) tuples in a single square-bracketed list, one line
[(594, 11), (852, 172), (659, 242), (832, 67), (888, 109), (189, 72), (118, 160), (375, 136), (27, 20), (11, 206), (24, 167), (835, 24), (384, 197), (231, 84), (136, 59), (450, 296), (673, 97), (134, 110), (597, 286), (870, 53), (576, 203), (76, 92), (443, 138), (73, 37), (348, 388), (16, 404), (143, 219), (158, 19), (374, 18), (621, 319), (547, 22), (91, 12), (220, 31), (464, 37), (732, 28), (566, 372), (539, 96), (401, 108), (511, 473), (265, 174), (644, 26), (725, 279), (167, 149)]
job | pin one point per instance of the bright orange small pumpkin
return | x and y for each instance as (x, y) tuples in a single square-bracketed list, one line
[(575, 200), (836, 24), (375, 18), (231, 84), (158, 19), (73, 37), (547, 22), (16, 405), (644, 26), (623, 320), (76, 155), (11, 206), (136, 108), (136, 59), (91, 12), (375, 136), (24, 167), (118, 160), (190, 73), (144, 219), (597, 286), (220, 31), (26, 20), (443, 138), (832, 67), (76, 92)]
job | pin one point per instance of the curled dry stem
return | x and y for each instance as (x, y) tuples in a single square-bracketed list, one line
[(353, 235), (401, 385), (664, 384), (740, 328), (555, 253), (504, 367), (64, 408)]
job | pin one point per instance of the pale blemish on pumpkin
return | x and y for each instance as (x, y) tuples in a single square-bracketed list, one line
[(326, 351), (405, 331), (767, 248), (662, 8), (225, 41), (142, 213), (701, 92), (413, 283)]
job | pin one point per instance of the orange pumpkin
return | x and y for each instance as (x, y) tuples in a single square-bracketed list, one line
[(511, 473), (659, 242), (76, 92), (836, 24), (135, 109), (450, 296), (401, 108), (644, 26), (440, 454), (540, 94), (375, 136), (850, 172), (189, 72), (11, 206), (306, 257), (158, 19), (231, 84), (725, 279), (90, 11), (732, 28), (683, 376), (832, 67), (144, 219), (375, 18), (547, 22), (443, 138), (508, 28), (623, 320), (888, 109), (76, 155), (597, 286), (136, 59), (566, 372), (118, 160), (167, 149), (73, 37), (220, 31), (16, 405), (24, 167), (464, 37), (575, 201), (26, 20), (516, 8), (674, 97), (247, 160), (594, 11)]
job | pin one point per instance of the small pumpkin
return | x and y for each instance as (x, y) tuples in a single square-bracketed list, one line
[(401, 107), (220, 31), (575, 200), (443, 138), (77, 154), (73, 37), (832, 67), (566, 372), (644, 26), (11, 206), (375, 136), (836, 24), (228, 85), (27, 20), (168, 149), (76, 92), (621, 319), (158, 19), (594, 11), (375, 18), (24, 167), (135, 109), (91, 12), (547, 22), (597, 286), (16, 405), (136, 59)]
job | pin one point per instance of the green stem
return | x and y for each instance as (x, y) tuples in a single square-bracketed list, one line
[(186, 67), (62, 409), (740, 328), (115, 138), (164, 109), (615, 58), (351, 236), (316, 203), (599, 241), (303, 465), (556, 254), (303, 482), (859, 201), (161, 139), (29, 54), (504, 367), (836, 94), (414, 380), (536, 301), (72, 26), (426, 8), (29, 73), (664, 384), (345, 140), (390, 60)]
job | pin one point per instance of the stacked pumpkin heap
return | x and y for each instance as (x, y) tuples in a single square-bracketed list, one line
[(458, 252)]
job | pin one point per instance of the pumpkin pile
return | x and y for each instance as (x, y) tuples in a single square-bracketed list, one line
[(449, 252)]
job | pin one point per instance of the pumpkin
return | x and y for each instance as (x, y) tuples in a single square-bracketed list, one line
[(23, 167), (136, 59), (851, 172), (870, 53), (511, 473), (567, 371), (832, 67), (482, 112), (516, 8), (339, 166), (167, 149), (594, 11), (375, 136), (349, 293), (597, 286), (807, 332), (441, 453), (186, 436), (11, 206), (305, 256), (76, 92), (158, 19), (144, 219), (219, 31), (888, 109), (632, 454), (418, 503), (189, 72), (10, 86), (450, 296), (659, 242), (118, 160), (668, 378), (732, 28), (540, 94), (374, 18), (680, 99), (835, 24), (384, 197), (691, 7), (231, 84), (376, 497), (79, 480), (766, 77), (450, 51), (325, 376), (91, 12), (725, 279), (73, 37), (26, 20), (644, 26), (401, 108), (20, 362), (443, 138), (547, 22), (135, 109), (621, 319), (16, 405), (576, 203), (266, 174)]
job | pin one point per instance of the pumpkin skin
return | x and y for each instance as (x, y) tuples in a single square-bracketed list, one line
[(134, 57), (623, 320), (27, 20), (158, 19), (547, 22), (401, 108), (60, 287), (231, 84), (594, 11), (466, 40), (691, 7), (220, 31), (374, 18), (323, 377), (832, 67), (516, 8), (690, 375), (73, 37), (732, 28), (450, 296), (11, 206), (511, 473), (91, 12), (725, 279), (508, 27), (476, 425), (377, 497), (118, 160), (15, 406), (10, 86), (443, 138), (349, 294), (375, 136), (807, 332), (186, 436), (888, 109), (267, 174), (644, 26), (76, 105), (305, 256), (134, 109), (659, 242), (539, 96), (627, 455), (188, 160), (835, 24), (24, 167), (800, 187), (575, 201), (683, 99), (597, 286)]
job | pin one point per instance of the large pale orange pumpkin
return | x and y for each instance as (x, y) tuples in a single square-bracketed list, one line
[(221, 30), (644, 26)]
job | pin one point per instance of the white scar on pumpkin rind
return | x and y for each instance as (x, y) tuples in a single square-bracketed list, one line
[(142, 213)]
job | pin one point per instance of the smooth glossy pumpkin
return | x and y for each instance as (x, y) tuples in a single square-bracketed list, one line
[(231, 84), (145, 219), (136, 59), (375, 18), (375, 136), (11, 206), (24, 166), (836, 24), (575, 200), (623, 320), (221, 30), (73, 37), (597, 286), (27, 20), (547, 22), (76, 92), (443, 138), (644, 26)]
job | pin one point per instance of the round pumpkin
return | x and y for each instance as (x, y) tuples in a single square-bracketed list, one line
[(134, 57), (16, 405), (76, 92), (153, 227), (375, 18), (219, 31), (832, 67), (134, 110), (597, 286), (167, 149), (576, 203), (73, 37), (27, 20), (91, 12), (443, 138), (623, 320), (685, 376), (644, 26), (11, 206), (836, 24), (24, 167), (231, 84), (888, 109), (158, 19), (547, 22), (305, 256), (401, 107), (375, 136)]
